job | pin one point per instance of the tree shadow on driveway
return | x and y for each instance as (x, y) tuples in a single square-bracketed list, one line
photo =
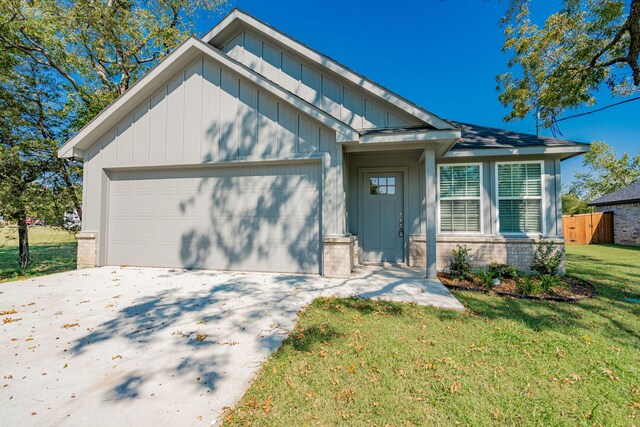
[(208, 325)]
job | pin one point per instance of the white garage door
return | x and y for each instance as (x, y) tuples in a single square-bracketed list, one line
[(264, 218)]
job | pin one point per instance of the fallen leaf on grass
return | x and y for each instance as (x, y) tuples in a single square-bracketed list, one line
[(70, 325), (6, 312), (454, 387), (267, 405), (11, 319), (572, 379)]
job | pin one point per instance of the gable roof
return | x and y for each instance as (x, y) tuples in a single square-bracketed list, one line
[(629, 194), (151, 81), (237, 18)]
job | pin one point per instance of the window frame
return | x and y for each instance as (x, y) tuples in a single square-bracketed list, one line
[(542, 198), (480, 198)]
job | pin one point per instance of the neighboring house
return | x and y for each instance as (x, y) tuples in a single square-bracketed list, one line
[(625, 205), (246, 150)]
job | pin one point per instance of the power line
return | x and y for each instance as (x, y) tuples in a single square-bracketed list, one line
[(597, 110)]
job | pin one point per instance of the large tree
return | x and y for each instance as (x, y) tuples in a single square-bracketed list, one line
[(62, 62), (588, 47)]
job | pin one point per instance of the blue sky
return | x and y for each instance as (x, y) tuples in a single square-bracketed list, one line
[(441, 54)]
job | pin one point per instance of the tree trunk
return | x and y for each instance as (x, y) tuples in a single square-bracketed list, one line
[(23, 239)]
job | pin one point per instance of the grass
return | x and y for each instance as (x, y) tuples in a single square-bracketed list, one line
[(503, 361), (52, 251)]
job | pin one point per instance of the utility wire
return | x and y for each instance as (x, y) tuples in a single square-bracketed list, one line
[(555, 127), (597, 110)]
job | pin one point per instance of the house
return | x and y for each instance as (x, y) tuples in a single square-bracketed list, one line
[(247, 150), (625, 205)]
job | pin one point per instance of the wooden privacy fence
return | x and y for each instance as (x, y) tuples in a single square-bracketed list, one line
[(586, 229)]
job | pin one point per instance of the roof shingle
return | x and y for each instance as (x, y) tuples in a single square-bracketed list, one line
[(627, 194)]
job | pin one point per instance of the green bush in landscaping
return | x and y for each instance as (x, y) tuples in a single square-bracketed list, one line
[(528, 286), (459, 267), (486, 278), (546, 257), (503, 271)]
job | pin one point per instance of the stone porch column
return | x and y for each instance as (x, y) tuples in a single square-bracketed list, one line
[(430, 210)]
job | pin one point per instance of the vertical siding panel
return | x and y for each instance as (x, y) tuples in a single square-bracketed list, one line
[(311, 86), (374, 116), (267, 125), (290, 78), (353, 109), (308, 138), (175, 118), (109, 148), (235, 49), (549, 199), (193, 111), (141, 133), (395, 121), (228, 114), (158, 125), (125, 139), (331, 96), (92, 175), (210, 111), (272, 62), (253, 52), (248, 118), (288, 130)]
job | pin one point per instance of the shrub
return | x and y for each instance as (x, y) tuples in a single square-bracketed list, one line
[(503, 271), (546, 258), (459, 266), (527, 286), (486, 277), (548, 282)]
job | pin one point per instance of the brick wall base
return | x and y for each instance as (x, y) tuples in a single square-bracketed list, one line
[(626, 222), (87, 249), (517, 252), (339, 256)]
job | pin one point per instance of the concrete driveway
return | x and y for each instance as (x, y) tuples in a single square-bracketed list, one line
[(145, 346)]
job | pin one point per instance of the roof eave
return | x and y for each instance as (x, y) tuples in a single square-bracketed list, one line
[(615, 202), (441, 140), (563, 152)]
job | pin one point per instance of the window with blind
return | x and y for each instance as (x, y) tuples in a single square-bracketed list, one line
[(520, 197), (459, 193)]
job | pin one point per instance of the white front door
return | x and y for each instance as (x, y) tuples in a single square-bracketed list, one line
[(382, 237)]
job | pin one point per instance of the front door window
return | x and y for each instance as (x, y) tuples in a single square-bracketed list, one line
[(382, 185)]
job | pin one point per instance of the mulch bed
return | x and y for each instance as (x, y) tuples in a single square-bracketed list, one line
[(574, 289)]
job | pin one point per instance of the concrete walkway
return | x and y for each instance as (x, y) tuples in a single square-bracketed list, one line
[(158, 347)]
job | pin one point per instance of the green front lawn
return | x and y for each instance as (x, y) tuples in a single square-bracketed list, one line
[(503, 361), (52, 251)]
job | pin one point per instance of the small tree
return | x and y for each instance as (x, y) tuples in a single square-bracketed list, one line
[(572, 204), (546, 257), (606, 172)]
